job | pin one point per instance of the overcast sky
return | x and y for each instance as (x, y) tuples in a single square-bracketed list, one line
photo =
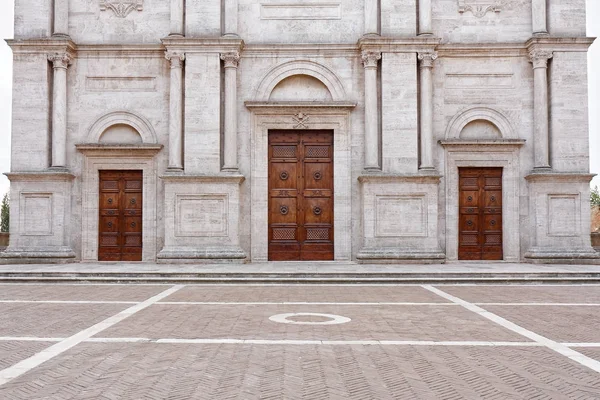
[(6, 31)]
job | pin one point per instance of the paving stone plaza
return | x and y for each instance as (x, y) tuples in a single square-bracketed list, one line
[(112, 341)]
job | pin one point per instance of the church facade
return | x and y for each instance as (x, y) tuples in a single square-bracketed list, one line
[(242, 131)]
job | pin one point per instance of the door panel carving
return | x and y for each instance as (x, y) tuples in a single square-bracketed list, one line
[(300, 195), (120, 227), (480, 208)]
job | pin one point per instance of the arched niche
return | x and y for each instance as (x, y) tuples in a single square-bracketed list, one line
[(134, 129), (120, 134), (480, 129), (301, 68), (480, 120), (300, 88)]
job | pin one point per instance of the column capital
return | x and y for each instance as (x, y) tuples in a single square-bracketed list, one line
[(427, 59), (370, 58), (175, 57), (60, 60), (232, 59), (539, 58)]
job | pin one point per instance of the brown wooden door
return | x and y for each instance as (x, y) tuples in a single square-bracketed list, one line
[(300, 195), (120, 225), (480, 222)]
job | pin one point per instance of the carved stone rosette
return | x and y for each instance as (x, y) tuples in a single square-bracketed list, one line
[(231, 59), (370, 58), (539, 58), (175, 57), (121, 8), (60, 60), (427, 59)]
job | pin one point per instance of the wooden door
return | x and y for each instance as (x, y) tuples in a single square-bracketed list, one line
[(120, 224), (300, 195), (480, 222)]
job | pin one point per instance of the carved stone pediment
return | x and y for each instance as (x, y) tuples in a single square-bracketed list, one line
[(121, 8), (479, 7)]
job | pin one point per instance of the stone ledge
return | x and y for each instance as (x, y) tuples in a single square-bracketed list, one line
[(392, 255), (434, 178), (35, 176), (209, 254), (482, 142), (61, 255), (222, 178), (110, 150), (562, 256), (550, 176)]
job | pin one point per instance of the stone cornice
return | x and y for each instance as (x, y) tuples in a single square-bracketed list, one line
[(294, 49), (110, 150), (394, 178), (203, 45), (38, 46), (299, 104), (37, 176), (221, 178), (472, 145), (559, 177), (561, 44), (415, 44)]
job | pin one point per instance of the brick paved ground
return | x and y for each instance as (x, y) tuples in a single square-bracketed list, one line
[(195, 350)]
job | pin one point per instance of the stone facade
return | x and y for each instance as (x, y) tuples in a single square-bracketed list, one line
[(187, 91)]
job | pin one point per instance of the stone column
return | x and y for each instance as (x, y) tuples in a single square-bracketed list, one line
[(370, 59), (539, 16), (60, 62), (425, 25), (231, 60), (61, 18), (176, 111), (540, 58), (177, 23), (231, 18), (426, 105), (371, 17)]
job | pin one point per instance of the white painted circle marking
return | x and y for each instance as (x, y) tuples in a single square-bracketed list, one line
[(334, 319)]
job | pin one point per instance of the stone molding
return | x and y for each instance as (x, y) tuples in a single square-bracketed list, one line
[(479, 8), (370, 59), (464, 117), (301, 67), (465, 143), (140, 124), (35, 176), (203, 45), (559, 177), (110, 150), (231, 59), (387, 178), (223, 178), (121, 8), (300, 106), (427, 59), (176, 58)]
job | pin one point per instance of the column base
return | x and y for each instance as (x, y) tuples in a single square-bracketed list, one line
[(389, 255), (562, 256), (224, 254), (60, 255)]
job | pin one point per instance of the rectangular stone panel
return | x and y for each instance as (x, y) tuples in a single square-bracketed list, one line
[(479, 81), (120, 84), (400, 216), (201, 215), (36, 214), (563, 215), (298, 11)]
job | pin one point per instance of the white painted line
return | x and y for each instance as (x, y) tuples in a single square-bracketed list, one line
[(29, 339), (582, 344), (551, 344), (285, 319), (295, 303), (66, 302), (118, 340), (541, 304), (10, 373)]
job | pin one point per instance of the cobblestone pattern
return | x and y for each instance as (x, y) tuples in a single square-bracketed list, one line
[(151, 371), (252, 322), (525, 294), (80, 292), (562, 324), (52, 320), (13, 352), (315, 294)]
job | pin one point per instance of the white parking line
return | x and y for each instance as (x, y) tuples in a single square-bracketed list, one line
[(10, 373), (296, 303), (551, 344)]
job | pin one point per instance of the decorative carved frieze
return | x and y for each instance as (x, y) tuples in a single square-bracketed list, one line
[(300, 121), (175, 57), (121, 8), (427, 59), (231, 59), (60, 60), (539, 58), (479, 7), (370, 58)]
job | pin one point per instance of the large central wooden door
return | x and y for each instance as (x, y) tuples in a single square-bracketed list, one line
[(480, 223), (120, 225), (300, 195)]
